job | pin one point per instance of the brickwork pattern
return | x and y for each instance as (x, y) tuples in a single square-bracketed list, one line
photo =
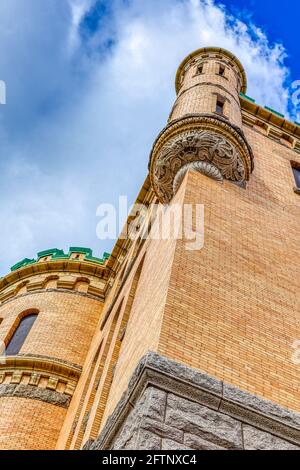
[(233, 307), (199, 92), (29, 424), (230, 309), (63, 329)]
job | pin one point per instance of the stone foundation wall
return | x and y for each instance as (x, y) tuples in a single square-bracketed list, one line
[(172, 407)]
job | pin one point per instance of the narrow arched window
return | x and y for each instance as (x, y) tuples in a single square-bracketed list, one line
[(15, 344)]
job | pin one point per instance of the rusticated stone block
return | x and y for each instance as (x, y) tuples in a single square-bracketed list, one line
[(147, 440), (131, 425), (196, 443), (168, 444), (156, 405), (207, 424), (162, 430), (254, 439)]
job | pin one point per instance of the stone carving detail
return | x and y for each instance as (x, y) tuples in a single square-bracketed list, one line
[(205, 168), (196, 146)]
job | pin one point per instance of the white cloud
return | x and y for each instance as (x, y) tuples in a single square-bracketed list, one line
[(79, 8), (78, 128)]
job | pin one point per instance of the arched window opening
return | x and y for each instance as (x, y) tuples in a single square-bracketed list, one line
[(19, 337)]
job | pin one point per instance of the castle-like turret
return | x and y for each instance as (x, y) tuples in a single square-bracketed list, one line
[(49, 309), (205, 126), (163, 345)]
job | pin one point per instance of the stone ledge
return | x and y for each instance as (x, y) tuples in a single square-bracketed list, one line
[(170, 376), (40, 372), (34, 393), (98, 298)]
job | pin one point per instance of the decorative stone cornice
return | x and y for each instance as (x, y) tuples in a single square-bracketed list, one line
[(98, 294), (172, 377), (20, 374), (35, 277), (199, 138)]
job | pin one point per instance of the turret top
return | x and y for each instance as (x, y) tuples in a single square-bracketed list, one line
[(75, 254), (213, 50)]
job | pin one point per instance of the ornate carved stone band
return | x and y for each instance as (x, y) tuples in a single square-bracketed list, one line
[(202, 143), (40, 378)]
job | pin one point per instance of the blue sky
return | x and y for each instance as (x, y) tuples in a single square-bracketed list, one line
[(279, 20), (90, 84)]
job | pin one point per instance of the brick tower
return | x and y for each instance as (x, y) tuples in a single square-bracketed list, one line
[(195, 348), (49, 311)]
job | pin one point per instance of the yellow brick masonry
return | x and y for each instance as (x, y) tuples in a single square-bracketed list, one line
[(230, 309), (63, 329), (29, 424)]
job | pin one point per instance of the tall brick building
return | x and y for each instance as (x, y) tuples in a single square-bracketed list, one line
[(158, 346)]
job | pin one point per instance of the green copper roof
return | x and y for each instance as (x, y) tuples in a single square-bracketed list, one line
[(247, 97), (242, 95), (56, 254), (51, 252), (274, 112), (21, 264), (77, 249)]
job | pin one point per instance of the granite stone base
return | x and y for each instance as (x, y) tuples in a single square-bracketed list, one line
[(169, 406)]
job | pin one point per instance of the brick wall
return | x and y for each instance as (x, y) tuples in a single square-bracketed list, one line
[(63, 329), (29, 424)]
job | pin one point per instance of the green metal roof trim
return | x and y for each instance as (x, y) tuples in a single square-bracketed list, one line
[(51, 252), (94, 260), (242, 95), (274, 112), (76, 249), (21, 264), (57, 254), (297, 123), (247, 97)]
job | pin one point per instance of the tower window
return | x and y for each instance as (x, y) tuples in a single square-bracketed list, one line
[(20, 335), (200, 69), (296, 171), (220, 106), (222, 70)]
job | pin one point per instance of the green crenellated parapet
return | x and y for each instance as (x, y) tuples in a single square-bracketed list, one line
[(23, 263), (51, 252), (56, 254), (86, 251)]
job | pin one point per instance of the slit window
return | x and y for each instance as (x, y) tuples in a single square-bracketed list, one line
[(20, 335), (200, 69), (222, 70), (220, 106), (296, 171)]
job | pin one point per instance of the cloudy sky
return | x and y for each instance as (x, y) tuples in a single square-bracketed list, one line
[(90, 83)]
